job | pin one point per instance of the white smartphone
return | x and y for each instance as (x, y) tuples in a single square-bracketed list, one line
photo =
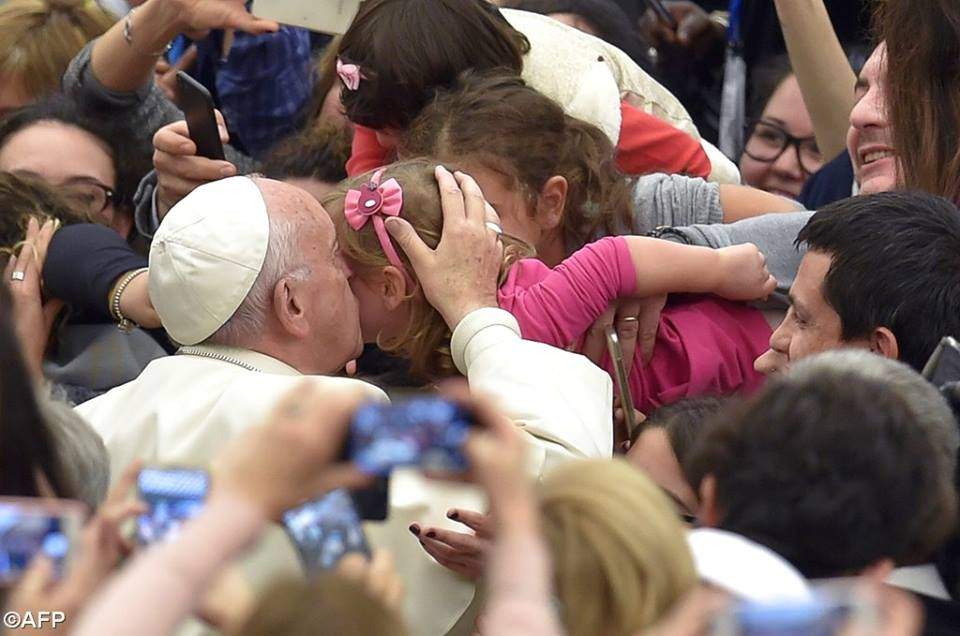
[(325, 16)]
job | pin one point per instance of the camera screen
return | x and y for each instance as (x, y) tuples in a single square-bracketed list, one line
[(814, 618), (326, 529), (26, 533), (172, 496), (427, 431)]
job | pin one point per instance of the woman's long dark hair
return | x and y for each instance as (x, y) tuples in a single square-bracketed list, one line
[(28, 450)]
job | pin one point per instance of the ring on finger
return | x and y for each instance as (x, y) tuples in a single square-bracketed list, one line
[(493, 226), (629, 319), (18, 276)]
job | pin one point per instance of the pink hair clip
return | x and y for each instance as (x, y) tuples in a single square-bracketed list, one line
[(376, 201), (350, 75)]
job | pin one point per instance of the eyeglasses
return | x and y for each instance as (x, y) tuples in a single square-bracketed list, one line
[(768, 141), (88, 197)]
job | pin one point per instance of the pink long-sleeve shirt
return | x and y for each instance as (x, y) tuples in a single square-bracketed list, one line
[(705, 345)]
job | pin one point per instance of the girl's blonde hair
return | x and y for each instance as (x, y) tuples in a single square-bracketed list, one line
[(619, 551), (38, 38), (426, 339)]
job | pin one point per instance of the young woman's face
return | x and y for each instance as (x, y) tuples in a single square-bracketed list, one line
[(72, 160), (763, 164)]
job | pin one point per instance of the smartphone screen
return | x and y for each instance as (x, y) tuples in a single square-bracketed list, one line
[(834, 607), (173, 496), (326, 529), (425, 431), (31, 527)]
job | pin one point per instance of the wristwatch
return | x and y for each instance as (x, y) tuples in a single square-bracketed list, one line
[(669, 233)]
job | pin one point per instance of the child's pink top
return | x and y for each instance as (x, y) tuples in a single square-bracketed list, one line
[(705, 345)]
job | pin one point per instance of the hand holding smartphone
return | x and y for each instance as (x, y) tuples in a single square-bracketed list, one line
[(30, 527), (198, 107), (623, 381), (325, 530), (173, 496)]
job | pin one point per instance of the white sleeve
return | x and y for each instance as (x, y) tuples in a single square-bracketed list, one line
[(561, 399)]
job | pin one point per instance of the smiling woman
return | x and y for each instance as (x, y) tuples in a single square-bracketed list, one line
[(81, 157)]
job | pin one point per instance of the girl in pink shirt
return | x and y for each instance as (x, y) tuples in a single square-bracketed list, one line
[(704, 346)]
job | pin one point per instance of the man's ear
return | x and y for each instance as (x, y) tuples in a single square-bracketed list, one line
[(289, 308), (883, 341), (393, 287), (709, 516), (551, 203)]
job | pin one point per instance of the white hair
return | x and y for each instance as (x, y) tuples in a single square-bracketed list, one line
[(284, 259), (929, 407)]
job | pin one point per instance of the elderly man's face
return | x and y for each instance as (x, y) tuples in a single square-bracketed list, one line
[(333, 307), (811, 324)]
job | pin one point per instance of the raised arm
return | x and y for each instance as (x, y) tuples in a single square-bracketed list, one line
[(825, 77), (125, 56)]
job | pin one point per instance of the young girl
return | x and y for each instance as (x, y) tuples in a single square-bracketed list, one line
[(398, 53), (704, 346)]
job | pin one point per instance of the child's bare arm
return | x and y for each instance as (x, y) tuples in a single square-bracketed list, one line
[(663, 267)]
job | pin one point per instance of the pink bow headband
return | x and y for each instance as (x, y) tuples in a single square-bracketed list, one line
[(376, 201), (350, 75)]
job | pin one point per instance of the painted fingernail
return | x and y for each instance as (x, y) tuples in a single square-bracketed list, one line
[(415, 529), (453, 514), (431, 535)]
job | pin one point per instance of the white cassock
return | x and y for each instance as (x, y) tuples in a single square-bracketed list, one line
[(184, 409)]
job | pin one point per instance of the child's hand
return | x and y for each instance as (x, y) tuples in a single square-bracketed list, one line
[(744, 274)]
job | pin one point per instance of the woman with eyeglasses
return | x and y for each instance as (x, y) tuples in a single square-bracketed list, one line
[(82, 158), (781, 151)]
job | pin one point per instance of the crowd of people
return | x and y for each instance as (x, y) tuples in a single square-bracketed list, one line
[(690, 270)]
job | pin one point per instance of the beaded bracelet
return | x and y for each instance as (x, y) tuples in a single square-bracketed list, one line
[(124, 324)]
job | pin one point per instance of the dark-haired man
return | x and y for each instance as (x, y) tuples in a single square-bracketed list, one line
[(881, 272)]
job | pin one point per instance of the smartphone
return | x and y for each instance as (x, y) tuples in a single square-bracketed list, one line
[(173, 496), (943, 367), (425, 431), (195, 101), (623, 382), (325, 530), (328, 16), (663, 15), (832, 609), (29, 527)]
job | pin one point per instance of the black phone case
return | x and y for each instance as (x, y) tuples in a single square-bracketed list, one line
[(197, 104)]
